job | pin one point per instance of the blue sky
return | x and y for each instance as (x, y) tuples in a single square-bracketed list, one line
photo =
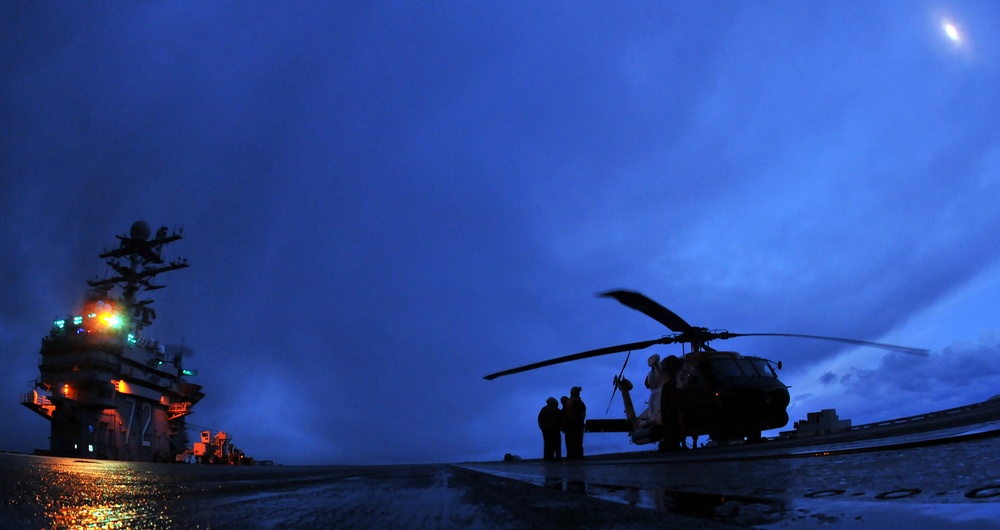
[(383, 202)]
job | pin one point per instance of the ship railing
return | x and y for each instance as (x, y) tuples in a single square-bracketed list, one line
[(38, 403), (35, 398), (177, 410)]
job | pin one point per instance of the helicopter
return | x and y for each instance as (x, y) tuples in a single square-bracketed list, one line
[(722, 394)]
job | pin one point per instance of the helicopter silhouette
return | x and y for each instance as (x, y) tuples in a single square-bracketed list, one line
[(722, 394)]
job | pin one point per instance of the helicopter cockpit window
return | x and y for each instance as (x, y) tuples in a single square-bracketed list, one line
[(722, 368), (763, 368)]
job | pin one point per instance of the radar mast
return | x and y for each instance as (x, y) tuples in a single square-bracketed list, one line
[(136, 261)]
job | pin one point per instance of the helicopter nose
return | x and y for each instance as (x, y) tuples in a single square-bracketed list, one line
[(777, 398)]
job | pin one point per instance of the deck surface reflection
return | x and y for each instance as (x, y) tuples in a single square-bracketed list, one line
[(954, 485)]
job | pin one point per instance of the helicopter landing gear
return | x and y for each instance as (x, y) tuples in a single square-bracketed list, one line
[(665, 446), (672, 439)]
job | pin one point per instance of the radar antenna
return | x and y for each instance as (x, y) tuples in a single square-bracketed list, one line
[(136, 261)]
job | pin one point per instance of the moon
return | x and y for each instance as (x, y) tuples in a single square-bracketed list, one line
[(951, 31)]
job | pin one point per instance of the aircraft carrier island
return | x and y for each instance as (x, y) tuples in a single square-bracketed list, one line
[(110, 391)]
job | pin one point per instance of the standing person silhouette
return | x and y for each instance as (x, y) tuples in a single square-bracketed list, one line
[(576, 416), (550, 422)]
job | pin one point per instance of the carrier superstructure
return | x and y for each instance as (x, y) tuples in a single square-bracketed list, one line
[(109, 391)]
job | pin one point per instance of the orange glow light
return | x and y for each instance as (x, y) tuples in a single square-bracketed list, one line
[(103, 315)]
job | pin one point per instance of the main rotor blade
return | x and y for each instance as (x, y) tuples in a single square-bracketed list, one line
[(583, 355), (892, 347), (643, 304)]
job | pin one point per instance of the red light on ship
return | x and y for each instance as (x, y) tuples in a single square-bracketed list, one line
[(102, 316)]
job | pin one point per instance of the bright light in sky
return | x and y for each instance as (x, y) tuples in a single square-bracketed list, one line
[(952, 31)]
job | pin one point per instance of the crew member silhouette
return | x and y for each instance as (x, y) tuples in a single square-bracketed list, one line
[(576, 416), (550, 422)]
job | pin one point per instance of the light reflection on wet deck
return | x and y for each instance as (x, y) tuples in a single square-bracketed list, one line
[(85, 493), (954, 485)]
